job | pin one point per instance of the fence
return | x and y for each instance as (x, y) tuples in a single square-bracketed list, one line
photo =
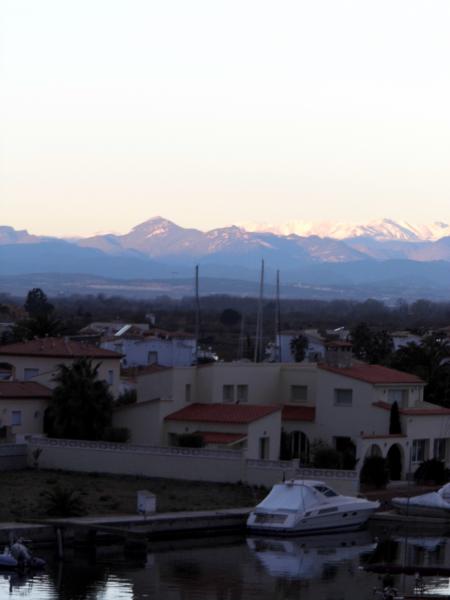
[(199, 464)]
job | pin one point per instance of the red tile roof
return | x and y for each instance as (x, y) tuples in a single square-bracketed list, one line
[(375, 374), (438, 410), (56, 348), (26, 390), (222, 413), (217, 437), (298, 413)]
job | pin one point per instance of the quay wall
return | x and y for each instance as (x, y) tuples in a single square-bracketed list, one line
[(196, 464)]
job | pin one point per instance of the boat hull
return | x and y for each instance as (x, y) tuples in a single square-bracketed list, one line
[(421, 511), (342, 521)]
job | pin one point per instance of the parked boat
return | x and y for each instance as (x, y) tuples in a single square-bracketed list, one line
[(433, 504), (18, 556), (306, 506)]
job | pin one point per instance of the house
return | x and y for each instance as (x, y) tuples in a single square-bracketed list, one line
[(157, 347), (341, 402), (22, 408), (38, 360), (281, 351)]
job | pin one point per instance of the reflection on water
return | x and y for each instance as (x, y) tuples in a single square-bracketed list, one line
[(327, 567)]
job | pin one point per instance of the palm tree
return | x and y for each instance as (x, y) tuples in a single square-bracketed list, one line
[(81, 404)]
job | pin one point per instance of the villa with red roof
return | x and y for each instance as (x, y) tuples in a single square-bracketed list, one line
[(341, 402), (38, 360)]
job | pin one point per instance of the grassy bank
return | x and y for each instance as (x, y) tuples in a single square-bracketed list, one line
[(23, 494)]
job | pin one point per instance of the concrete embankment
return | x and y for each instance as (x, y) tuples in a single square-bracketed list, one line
[(128, 527)]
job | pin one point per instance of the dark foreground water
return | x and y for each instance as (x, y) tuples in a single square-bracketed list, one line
[(235, 568)]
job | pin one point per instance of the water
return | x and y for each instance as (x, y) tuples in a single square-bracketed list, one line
[(236, 568)]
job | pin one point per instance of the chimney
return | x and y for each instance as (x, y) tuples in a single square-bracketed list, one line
[(338, 354)]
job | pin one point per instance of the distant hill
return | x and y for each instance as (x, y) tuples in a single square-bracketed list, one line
[(158, 251)]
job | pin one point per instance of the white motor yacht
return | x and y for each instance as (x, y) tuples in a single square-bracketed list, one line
[(307, 506), (433, 504)]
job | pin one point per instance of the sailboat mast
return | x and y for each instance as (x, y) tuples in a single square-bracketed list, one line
[(277, 321), (259, 318), (197, 314)]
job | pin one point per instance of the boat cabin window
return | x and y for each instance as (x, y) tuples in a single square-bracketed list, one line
[(326, 491)]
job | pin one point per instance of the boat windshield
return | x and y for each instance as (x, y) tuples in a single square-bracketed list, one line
[(289, 497), (326, 491)]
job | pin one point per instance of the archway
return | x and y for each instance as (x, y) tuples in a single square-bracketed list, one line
[(394, 462), (374, 450)]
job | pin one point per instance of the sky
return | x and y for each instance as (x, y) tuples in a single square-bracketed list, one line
[(212, 112)]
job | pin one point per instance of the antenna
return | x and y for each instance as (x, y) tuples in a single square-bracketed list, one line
[(241, 338), (197, 315), (259, 318)]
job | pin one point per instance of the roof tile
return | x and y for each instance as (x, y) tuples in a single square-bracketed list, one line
[(375, 374), (222, 413), (23, 390), (56, 348)]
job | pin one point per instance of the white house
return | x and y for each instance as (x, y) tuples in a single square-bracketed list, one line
[(158, 347), (341, 402)]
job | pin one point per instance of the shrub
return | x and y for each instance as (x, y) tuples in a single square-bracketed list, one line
[(127, 397), (326, 458), (64, 502), (432, 470), (119, 435), (374, 471)]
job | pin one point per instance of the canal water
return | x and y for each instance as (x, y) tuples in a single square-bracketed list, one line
[(328, 567)]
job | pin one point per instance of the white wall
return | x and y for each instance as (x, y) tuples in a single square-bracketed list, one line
[(194, 464)]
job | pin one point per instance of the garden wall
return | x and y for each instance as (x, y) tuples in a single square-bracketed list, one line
[(197, 464)]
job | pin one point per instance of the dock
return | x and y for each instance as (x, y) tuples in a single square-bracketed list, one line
[(133, 531)]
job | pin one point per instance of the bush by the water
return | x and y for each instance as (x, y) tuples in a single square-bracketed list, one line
[(433, 471), (374, 472)]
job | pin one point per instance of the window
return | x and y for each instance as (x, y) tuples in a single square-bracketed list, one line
[(152, 357), (264, 448), (418, 450), (30, 373), (299, 393), (110, 377), (242, 393), (400, 396), (16, 417), (439, 448), (228, 393), (343, 397), (187, 393)]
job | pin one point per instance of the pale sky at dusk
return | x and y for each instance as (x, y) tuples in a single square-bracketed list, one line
[(214, 112)]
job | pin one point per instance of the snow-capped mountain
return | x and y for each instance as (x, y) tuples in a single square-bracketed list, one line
[(386, 257), (382, 230)]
